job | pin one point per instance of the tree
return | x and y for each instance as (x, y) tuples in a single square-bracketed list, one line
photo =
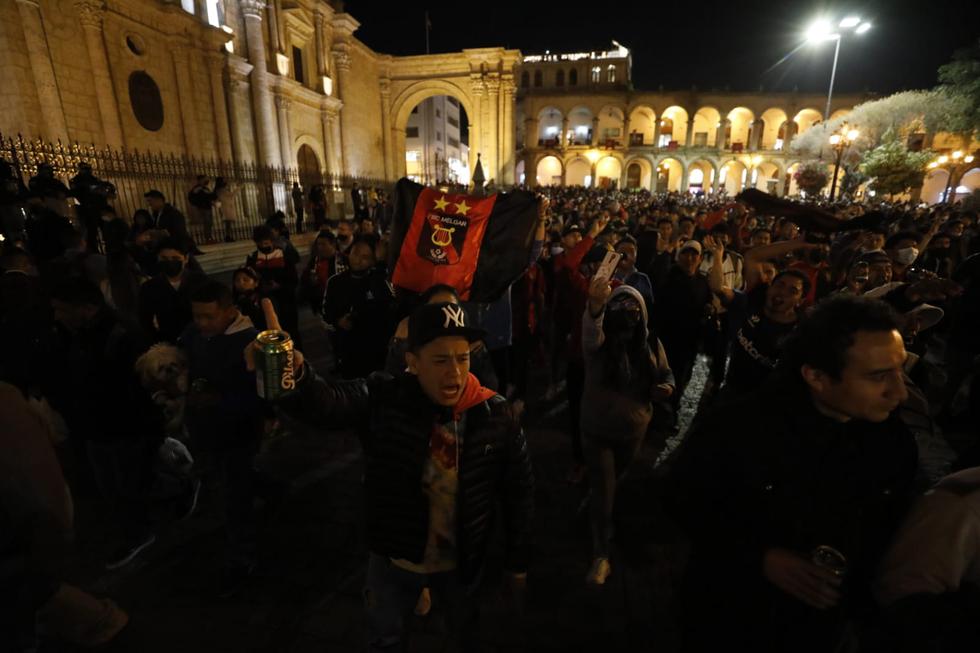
[(851, 179), (904, 113), (811, 177), (892, 168), (959, 83)]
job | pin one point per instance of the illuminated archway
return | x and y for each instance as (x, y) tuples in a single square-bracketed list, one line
[(639, 173), (578, 172), (642, 126), (732, 177), (740, 127), (549, 127), (806, 119), (668, 175), (767, 177), (701, 176), (933, 186), (706, 121), (548, 172), (673, 127), (773, 132), (611, 126), (580, 126), (608, 171)]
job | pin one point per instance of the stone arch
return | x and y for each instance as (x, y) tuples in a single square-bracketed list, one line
[(315, 144), (641, 176), (767, 177), (706, 123), (405, 101), (642, 126), (550, 120), (520, 175), (611, 123), (709, 176), (673, 126), (840, 113), (739, 130), (608, 171), (970, 180), (933, 185), (580, 125), (732, 175), (310, 160), (807, 118), (578, 171), (773, 120), (548, 170), (669, 173)]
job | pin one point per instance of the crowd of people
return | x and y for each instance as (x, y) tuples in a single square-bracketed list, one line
[(837, 342)]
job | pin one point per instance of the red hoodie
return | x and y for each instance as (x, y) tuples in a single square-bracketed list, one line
[(473, 394)]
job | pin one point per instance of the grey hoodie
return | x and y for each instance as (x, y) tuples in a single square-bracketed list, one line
[(608, 413)]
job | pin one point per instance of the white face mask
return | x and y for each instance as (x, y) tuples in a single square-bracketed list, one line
[(906, 255)]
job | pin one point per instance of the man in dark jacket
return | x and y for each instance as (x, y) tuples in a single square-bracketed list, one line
[(792, 495), (200, 200), (168, 218), (224, 417), (106, 408), (441, 452), (164, 302)]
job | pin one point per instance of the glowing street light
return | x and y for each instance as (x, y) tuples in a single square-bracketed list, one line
[(822, 30), (840, 141)]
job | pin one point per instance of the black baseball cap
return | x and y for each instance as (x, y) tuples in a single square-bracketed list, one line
[(574, 227), (153, 194), (431, 321)]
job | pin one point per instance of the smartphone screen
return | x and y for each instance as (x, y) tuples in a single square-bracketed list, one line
[(608, 266)]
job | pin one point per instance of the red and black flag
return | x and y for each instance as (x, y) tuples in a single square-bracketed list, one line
[(477, 245)]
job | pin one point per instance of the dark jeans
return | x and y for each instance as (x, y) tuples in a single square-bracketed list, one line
[(575, 385), (232, 470), (607, 461), (392, 592), (123, 473)]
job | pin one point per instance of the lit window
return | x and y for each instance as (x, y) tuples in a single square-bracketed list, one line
[(779, 144), (596, 71), (214, 12), (696, 177), (411, 155), (611, 74), (187, 5)]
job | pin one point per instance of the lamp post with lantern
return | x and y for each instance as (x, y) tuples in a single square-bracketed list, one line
[(840, 141), (950, 163)]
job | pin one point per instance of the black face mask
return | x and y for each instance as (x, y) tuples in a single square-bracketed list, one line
[(621, 323), (172, 268), (266, 250)]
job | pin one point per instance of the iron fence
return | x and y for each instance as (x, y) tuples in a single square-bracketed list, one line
[(256, 191)]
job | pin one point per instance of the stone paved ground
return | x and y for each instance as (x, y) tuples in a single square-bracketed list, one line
[(305, 593)]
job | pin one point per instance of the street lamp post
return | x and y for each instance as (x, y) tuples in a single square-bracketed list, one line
[(821, 31), (840, 141), (951, 165)]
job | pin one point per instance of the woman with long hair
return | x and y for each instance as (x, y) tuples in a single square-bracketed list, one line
[(624, 377)]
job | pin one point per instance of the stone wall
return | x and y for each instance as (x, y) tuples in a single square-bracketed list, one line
[(363, 145)]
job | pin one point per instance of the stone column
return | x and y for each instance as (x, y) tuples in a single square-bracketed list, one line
[(216, 66), (335, 150), (90, 14), (684, 178), (758, 131), (508, 163), (319, 23), (385, 89), (624, 133), (285, 140), (563, 140), (530, 133), (265, 119), (52, 114), (239, 113), (720, 135), (792, 129), (325, 126), (689, 138), (477, 124), (595, 133), (185, 97), (342, 64), (491, 151)]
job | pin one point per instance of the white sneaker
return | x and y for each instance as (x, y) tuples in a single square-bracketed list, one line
[(599, 572)]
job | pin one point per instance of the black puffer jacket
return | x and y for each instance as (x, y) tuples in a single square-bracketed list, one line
[(396, 419)]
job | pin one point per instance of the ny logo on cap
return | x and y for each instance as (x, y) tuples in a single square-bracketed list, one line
[(453, 314)]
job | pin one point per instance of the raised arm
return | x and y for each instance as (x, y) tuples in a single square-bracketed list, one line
[(755, 256), (716, 278)]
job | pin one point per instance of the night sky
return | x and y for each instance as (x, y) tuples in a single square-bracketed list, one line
[(708, 44)]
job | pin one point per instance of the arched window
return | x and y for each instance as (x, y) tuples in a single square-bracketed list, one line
[(573, 77), (537, 79), (596, 72), (611, 73), (560, 78), (525, 79)]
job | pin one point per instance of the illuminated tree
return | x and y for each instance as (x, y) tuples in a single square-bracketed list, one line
[(811, 177), (892, 168)]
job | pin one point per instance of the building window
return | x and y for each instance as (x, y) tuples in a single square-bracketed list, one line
[(537, 79), (135, 44), (298, 65), (452, 121), (596, 72), (144, 97), (438, 113), (560, 78), (453, 101), (412, 132), (525, 79), (439, 136), (611, 74), (573, 77), (453, 142)]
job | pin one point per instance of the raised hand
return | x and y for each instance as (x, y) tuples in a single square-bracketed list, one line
[(272, 323), (817, 587), (599, 291)]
